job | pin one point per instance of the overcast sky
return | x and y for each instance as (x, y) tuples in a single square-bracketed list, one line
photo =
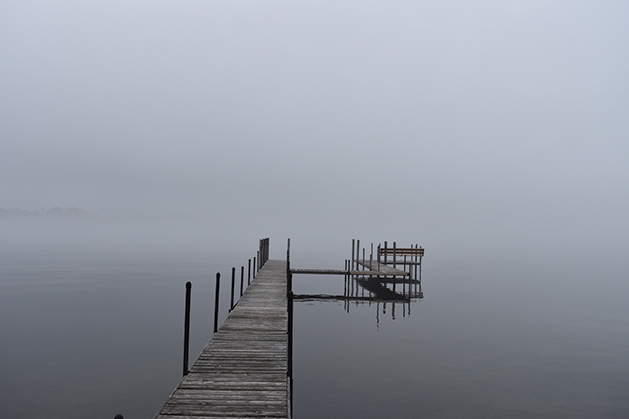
[(410, 118)]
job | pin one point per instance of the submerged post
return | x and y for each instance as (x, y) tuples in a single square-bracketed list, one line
[(216, 294), (186, 329)]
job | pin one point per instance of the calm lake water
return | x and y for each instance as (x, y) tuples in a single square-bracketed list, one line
[(91, 331)]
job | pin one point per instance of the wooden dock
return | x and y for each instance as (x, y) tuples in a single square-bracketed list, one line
[(384, 270), (243, 371)]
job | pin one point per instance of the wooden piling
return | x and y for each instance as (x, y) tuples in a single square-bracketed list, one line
[(186, 329)]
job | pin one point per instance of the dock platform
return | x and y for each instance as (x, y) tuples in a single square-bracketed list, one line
[(243, 370), (372, 266), (385, 269)]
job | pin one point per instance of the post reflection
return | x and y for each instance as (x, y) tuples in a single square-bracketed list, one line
[(386, 291)]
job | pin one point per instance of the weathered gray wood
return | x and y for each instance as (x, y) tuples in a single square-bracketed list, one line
[(242, 372), (400, 251), (384, 270)]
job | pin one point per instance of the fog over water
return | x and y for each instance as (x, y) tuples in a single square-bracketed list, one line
[(500, 122), (495, 134)]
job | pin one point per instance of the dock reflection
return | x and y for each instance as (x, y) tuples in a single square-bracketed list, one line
[(369, 290), (390, 276)]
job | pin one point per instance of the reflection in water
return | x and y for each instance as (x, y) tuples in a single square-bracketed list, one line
[(354, 288), (365, 280), (367, 289)]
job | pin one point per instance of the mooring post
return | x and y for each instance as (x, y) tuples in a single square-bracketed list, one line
[(231, 305), (364, 267), (186, 329), (259, 262), (216, 295), (345, 279), (394, 255), (404, 283), (254, 267), (420, 267), (289, 278), (289, 296), (394, 267), (353, 243), (415, 259), (385, 253), (266, 250), (357, 254), (362, 289), (242, 278), (249, 273)]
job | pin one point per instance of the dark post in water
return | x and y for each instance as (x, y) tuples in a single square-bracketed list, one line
[(216, 294), (186, 329), (231, 305)]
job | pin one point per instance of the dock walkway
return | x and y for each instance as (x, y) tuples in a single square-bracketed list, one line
[(385, 269), (242, 372)]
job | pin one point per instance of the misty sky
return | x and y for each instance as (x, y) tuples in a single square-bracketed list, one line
[(425, 117)]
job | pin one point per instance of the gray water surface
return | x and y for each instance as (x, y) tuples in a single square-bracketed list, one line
[(91, 331)]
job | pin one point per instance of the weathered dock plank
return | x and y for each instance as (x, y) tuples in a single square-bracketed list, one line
[(385, 269), (242, 372)]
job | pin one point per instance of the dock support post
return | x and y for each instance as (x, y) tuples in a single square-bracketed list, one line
[(352, 264), (404, 283), (385, 261), (394, 255), (254, 267), (357, 254), (394, 267), (289, 278), (186, 329), (345, 282), (216, 295), (242, 278), (231, 305), (364, 267), (249, 273), (385, 253), (289, 295)]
